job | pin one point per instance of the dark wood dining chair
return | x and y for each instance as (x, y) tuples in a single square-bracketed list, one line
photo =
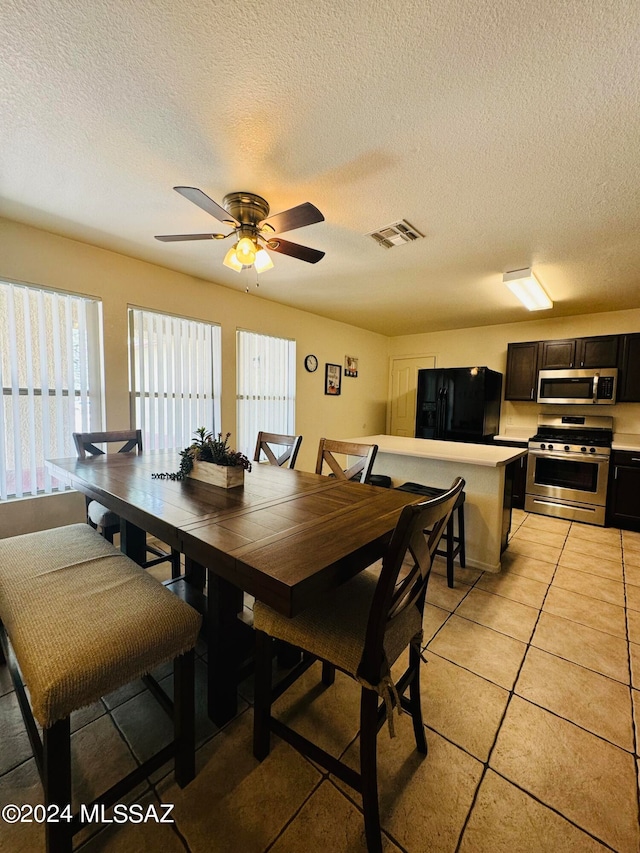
[(290, 443), (360, 628), (270, 444), (100, 517), (452, 545), (360, 470)]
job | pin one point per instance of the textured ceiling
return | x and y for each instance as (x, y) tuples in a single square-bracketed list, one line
[(505, 130)]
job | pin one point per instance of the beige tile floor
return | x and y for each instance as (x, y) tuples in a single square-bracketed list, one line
[(531, 698)]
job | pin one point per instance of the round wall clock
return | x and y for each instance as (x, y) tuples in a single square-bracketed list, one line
[(311, 363)]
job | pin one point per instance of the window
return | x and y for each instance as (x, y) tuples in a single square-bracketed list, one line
[(266, 396), (50, 369), (174, 377)]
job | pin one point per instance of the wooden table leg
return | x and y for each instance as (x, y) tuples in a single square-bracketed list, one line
[(133, 541), (194, 573), (224, 602)]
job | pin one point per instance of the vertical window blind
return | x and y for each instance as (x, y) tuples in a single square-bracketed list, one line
[(266, 387), (50, 375), (174, 377)]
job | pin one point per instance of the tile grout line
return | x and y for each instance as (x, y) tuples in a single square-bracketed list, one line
[(617, 746), (504, 714), (287, 824), (31, 756), (502, 719), (634, 722), (352, 800), (512, 692)]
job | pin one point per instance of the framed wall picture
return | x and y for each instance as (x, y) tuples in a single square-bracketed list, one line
[(350, 365), (332, 379)]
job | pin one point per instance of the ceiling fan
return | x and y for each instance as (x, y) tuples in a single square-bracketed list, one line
[(248, 214)]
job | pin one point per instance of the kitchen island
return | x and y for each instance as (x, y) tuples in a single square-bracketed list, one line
[(488, 473)]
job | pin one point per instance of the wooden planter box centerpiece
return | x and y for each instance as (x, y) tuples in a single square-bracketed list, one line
[(224, 476), (212, 461)]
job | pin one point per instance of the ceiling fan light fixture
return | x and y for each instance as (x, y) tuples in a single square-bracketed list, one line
[(524, 285), (246, 251), (231, 261), (247, 214), (263, 262)]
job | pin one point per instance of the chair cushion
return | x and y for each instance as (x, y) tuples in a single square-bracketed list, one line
[(381, 480), (429, 492), (84, 619), (334, 628), (101, 516)]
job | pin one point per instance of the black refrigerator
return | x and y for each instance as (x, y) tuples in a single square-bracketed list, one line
[(458, 404)]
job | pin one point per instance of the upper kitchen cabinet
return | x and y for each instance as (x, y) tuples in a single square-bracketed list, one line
[(522, 371), (524, 360), (597, 352), (592, 352), (629, 380), (557, 354)]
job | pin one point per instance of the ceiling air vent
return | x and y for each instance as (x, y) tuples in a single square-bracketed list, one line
[(396, 234)]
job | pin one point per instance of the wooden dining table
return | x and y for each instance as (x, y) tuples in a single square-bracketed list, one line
[(284, 537)]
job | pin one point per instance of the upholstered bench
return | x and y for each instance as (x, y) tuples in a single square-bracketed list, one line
[(83, 619)]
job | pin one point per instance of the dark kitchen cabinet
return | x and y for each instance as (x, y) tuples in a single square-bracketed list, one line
[(623, 506), (522, 371), (579, 353), (597, 352), (524, 360), (557, 354), (629, 379), (519, 483), (519, 475)]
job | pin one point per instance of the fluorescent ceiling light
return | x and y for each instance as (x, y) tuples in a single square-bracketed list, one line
[(528, 289)]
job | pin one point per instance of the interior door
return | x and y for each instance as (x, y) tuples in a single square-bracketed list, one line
[(402, 393)]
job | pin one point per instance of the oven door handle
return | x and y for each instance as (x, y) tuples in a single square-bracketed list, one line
[(584, 457)]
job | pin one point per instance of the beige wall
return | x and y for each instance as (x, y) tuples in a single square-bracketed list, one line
[(487, 346), (34, 256)]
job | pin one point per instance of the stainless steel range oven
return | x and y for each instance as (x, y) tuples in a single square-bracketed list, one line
[(568, 467)]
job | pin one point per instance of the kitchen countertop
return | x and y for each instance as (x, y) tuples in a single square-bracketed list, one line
[(521, 435), (486, 455), (625, 441)]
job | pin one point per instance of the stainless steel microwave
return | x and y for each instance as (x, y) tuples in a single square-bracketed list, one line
[(578, 386)]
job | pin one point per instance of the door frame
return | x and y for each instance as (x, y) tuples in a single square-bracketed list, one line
[(392, 360)]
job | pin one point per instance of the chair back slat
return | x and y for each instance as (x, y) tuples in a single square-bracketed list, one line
[(86, 441), (291, 443), (361, 468), (406, 567)]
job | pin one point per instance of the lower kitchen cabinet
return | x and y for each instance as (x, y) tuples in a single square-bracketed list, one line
[(623, 502), (518, 474), (519, 483)]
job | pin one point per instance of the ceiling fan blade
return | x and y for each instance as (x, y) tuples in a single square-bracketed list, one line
[(303, 253), (207, 204), (295, 217), (174, 238)]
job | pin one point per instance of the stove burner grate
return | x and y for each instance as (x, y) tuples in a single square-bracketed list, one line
[(600, 438)]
